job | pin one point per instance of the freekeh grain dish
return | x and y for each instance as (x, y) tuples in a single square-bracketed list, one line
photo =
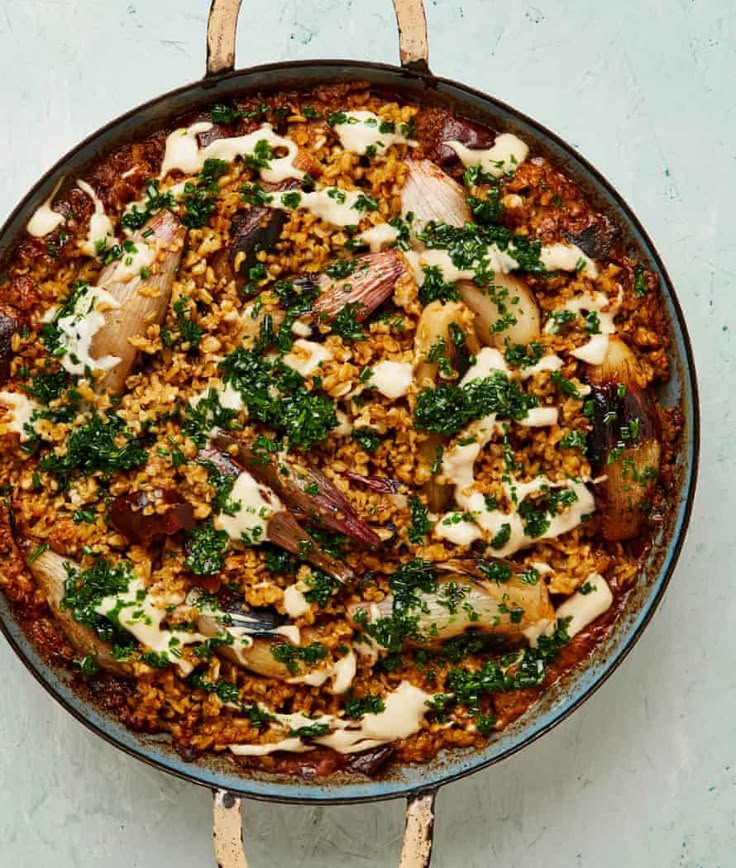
[(329, 430)]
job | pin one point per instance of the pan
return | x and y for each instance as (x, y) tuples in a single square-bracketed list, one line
[(418, 785)]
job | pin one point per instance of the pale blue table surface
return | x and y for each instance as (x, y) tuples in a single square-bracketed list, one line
[(644, 774)]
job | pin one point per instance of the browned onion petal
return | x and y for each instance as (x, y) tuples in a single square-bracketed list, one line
[(127, 515), (328, 506), (371, 282)]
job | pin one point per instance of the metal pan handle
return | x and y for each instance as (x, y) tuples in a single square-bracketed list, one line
[(416, 851), (223, 23)]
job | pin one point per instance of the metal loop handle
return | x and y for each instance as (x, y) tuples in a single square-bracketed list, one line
[(416, 851), (223, 22)]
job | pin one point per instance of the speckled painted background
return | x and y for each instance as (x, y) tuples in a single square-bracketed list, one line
[(644, 775)]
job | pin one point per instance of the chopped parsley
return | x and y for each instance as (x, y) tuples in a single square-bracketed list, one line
[(155, 201), (186, 332), (321, 587), (367, 438), (573, 440), (99, 444), (420, 523), (370, 704), (199, 196), (206, 548), (85, 589), (640, 284), (346, 323), (447, 408), (294, 655), (275, 396)]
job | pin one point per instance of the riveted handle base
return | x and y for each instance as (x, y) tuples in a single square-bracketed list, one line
[(416, 851), (227, 830)]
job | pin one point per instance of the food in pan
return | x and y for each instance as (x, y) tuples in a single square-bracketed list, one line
[(329, 430)]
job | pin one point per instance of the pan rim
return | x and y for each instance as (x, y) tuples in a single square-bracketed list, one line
[(295, 790)]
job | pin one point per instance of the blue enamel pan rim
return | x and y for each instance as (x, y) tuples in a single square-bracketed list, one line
[(218, 773)]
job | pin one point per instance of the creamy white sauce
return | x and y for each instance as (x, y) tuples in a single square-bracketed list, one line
[(301, 328), (567, 257), (141, 613), (228, 397), (403, 715), (308, 358), (540, 417), (184, 153), (503, 158), (490, 522), (593, 352), (457, 530), (78, 328), (392, 379), (546, 363), (331, 204), (490, 359), (341, 673), (543, 627), (459, 461), (344, 425), (290, 632), (257, 505), (378, 237), (21, 409), (44, 219), (583, 609), (363, 131), (100, 232), (500, 261), (131, 263), (294, 602)]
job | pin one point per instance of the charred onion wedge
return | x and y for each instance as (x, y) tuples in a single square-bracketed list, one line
[(430, 194), (283, 529), (443, 328), (49, 569), (326, 505), (143, 297), (624, 444), (485, 597), (370, 282), (507, 298), (145, 516)]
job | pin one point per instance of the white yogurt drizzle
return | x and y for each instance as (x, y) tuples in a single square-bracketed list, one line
[(44, 219), (378, 237), (228, 397), (78, 328), (594, 350), (503, 158), (100, 233), (341, 673), (364, 130), (184, 153), (499, 260), (330, 204), (306, 356), (21, 409), (458, 465), (403, 715), (295, 602), (392, 379), (583, 609), (141, 613), (253, 507)]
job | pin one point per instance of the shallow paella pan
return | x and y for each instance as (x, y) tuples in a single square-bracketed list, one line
[(418, 784)]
